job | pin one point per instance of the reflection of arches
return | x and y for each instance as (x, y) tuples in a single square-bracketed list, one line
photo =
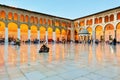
[(33, 32), (42, 33), (24, 32), (12, 30), (98, 32), (57, 31), (50, 30), (118, 32), (109, 32), (2, 29), (63, 34)]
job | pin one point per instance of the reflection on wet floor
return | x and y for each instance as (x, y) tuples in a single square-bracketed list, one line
[(63, 62)]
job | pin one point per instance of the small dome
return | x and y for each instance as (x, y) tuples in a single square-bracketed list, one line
[(83, 32)]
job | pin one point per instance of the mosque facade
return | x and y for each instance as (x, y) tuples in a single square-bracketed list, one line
[(30, 25)]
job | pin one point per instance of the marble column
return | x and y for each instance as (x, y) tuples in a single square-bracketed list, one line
[(6, 35), (46, 37), (19, 33)]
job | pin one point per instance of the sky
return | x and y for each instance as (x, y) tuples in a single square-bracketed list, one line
[(71, 9)]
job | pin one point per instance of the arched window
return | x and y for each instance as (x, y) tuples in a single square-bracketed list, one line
[(100, 19), (26, 18), (106, 19), (31, 19), (15, 16), (36, 20), (118, 16), (22, 18), (10, 15), (3, 14), (41, 21), (112, 17), (96, 20)]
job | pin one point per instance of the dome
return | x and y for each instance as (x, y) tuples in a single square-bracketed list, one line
[(83, 32)]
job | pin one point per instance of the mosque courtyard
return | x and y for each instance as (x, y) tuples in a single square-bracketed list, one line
[(63, 62)]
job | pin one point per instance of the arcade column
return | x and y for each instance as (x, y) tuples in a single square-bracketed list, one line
[(29, 34), (19, 33), (38, 36), (6, 35), (46, 37)]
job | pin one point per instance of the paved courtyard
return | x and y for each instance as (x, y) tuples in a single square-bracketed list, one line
[(63, 62)]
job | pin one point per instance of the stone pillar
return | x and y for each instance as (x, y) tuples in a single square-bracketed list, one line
[(93, 36), (19, 33), (29, 33), (6, 35), (46, 36), (72, 32), (38, 37), (54, 36)]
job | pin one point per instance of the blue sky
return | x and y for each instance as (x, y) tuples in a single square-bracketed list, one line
[(64, 8)]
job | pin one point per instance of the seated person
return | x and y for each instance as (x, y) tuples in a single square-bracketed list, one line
[(44, 48)]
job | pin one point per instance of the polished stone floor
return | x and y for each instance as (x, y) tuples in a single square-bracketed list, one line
[(63, 62)]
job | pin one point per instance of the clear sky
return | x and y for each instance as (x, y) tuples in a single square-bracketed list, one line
[(64, 8)]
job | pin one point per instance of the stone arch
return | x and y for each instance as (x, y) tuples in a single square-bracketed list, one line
[(50, 34), (118, 32), (99, 32), (63, 34), (2, 30), (76, 35), (24, 32), (12, 31), (89, 29), (33, 32), (42, 33), (109, 32)]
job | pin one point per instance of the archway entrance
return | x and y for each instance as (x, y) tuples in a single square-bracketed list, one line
[(118, 32), (2, 31), (109, 32), (63, 34), (42, 33), (24, 32), (50, 31), (89, 29), (76, 36), (57, 31), (69, 35), (99, 33), (33, 33), (12, 31)]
